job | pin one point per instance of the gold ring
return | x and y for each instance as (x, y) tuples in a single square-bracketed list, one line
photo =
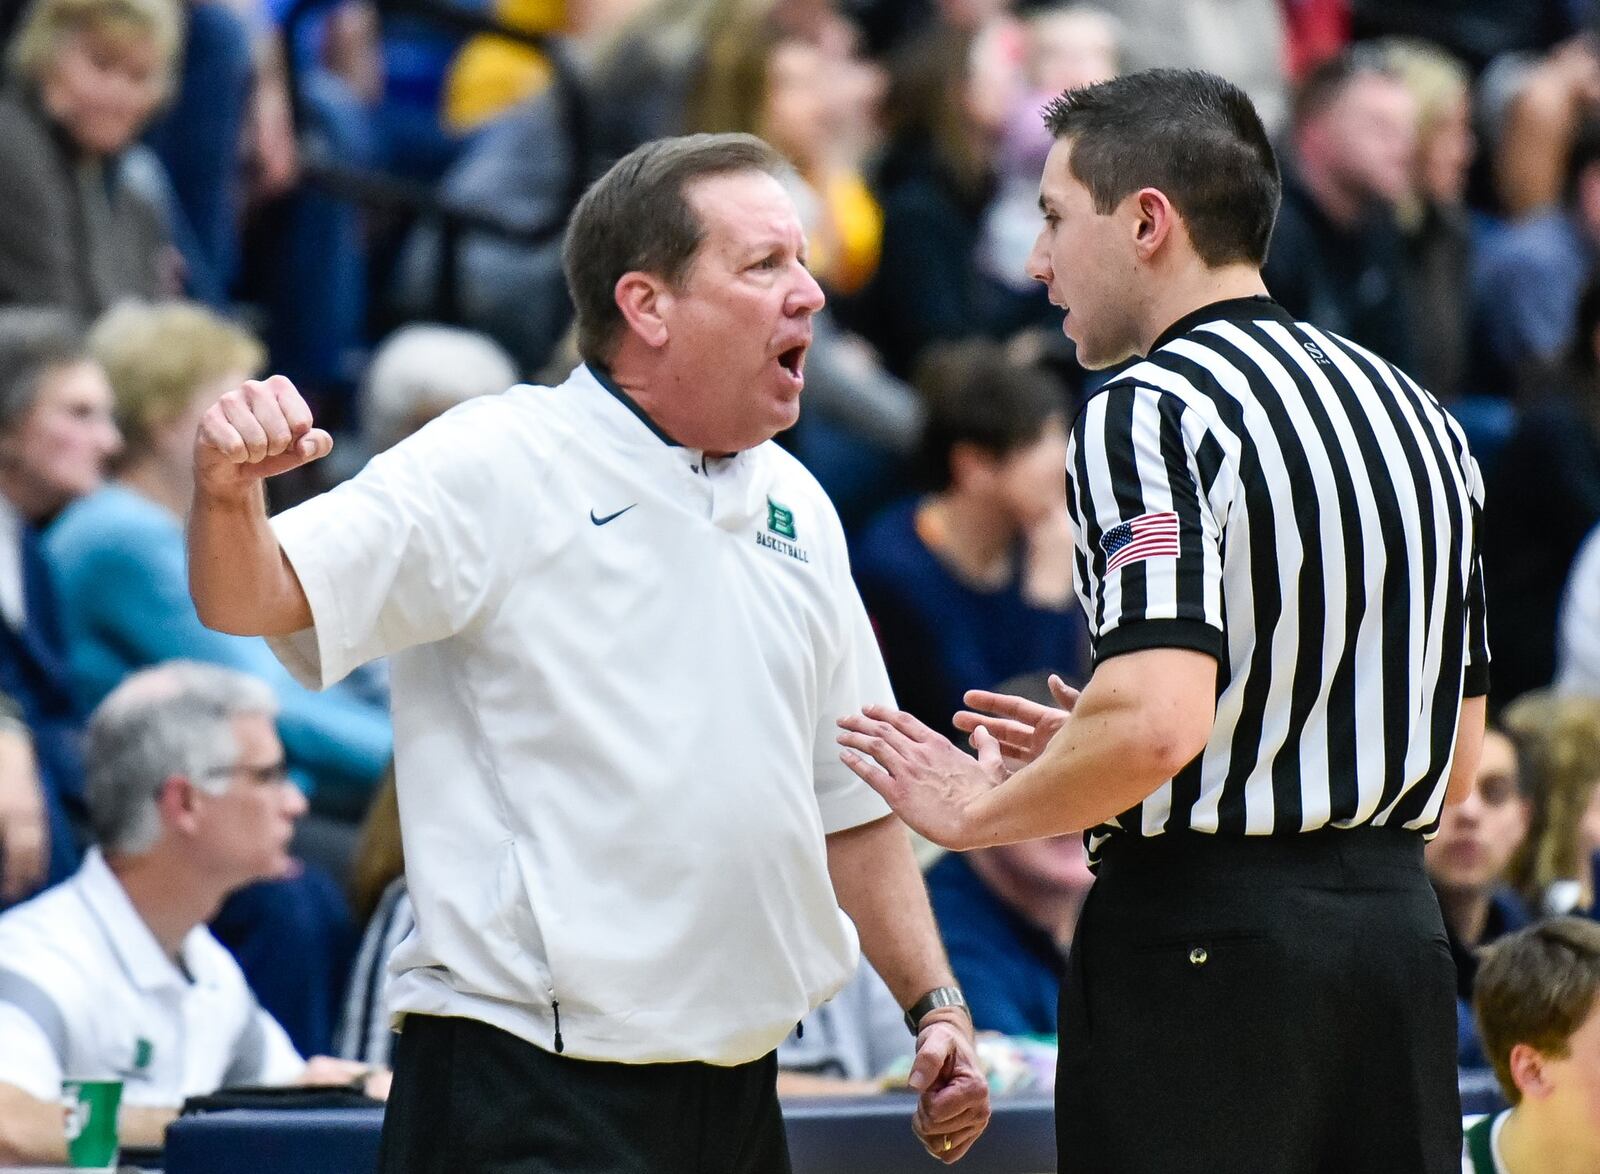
[(946, 1143)]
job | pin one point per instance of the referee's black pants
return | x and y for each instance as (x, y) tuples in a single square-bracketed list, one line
[(472, 1099), (1283, 1005)]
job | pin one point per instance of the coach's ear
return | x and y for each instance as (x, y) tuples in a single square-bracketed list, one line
[(645, 301), (1154, 220)]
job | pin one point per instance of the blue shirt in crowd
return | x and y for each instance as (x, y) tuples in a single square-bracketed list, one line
[(942, 636), (1009, 968), (122, 577)]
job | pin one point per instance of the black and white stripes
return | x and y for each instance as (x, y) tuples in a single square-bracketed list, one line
[(1326, 513)]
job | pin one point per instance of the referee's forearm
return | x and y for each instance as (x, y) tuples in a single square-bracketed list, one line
[(1141, 718)]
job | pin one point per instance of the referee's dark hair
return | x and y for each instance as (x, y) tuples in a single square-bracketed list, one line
[(1187, 133), (637, 218), (1536, 987), (977, 394)]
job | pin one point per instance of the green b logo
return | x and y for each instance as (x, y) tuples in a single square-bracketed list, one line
[(780, 519)]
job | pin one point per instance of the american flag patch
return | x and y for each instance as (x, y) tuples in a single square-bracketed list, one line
[(1153, 535)]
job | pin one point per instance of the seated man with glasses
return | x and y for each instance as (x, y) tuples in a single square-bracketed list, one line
[(113, 975)]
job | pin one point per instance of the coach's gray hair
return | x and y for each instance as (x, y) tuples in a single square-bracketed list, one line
[(174, 719)]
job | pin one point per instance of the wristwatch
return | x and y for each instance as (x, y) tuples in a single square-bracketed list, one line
[(939, 996)]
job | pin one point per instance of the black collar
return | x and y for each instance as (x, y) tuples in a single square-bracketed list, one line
[(1251, 309), (603, 377)]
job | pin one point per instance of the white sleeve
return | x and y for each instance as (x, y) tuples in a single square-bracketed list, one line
[(859, 678), (262, 1054), (407, 552), (27, 1058), (280, 1062)]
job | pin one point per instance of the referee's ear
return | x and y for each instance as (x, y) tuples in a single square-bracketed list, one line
[(1156, 220)]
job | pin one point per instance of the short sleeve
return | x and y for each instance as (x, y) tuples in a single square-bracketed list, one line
[(858, 678), (1148, 486), (28, 1058), (263, 1053), (410, 550), (1475, 679)]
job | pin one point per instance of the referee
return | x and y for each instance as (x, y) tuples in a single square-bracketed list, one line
[(1276, 552)]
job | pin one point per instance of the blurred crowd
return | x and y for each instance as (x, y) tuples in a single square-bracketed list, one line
[(370, 201)]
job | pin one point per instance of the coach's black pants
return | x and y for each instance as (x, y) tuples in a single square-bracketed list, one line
[(471, 1099), (1239, 1005)]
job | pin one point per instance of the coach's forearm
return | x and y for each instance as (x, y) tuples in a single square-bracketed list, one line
[(238, 575), (1141, 719), (876, 879)]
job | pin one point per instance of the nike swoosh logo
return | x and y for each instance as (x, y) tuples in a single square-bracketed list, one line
[(610, 517)]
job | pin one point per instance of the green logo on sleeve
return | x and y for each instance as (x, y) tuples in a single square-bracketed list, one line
[(780, 519), (143, 1053)]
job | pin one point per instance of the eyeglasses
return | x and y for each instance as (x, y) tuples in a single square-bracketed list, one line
[(274, 774)]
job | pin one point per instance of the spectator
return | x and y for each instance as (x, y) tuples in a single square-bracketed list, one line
[(1433, 216), (949, 97), (972, 583), (1531, 277), (1476, 31), (1559, 740), (114, 971), (806, 100), (76, 231), (1467, 863), (56, 435), (1544, 495), (422, 371), (1578, 626), (1068, 46), (119, 561), (1243, 40), (1538, 1002), (1531, 108), (1337, 256), (24, 821), (1007, 915), (198, 139)]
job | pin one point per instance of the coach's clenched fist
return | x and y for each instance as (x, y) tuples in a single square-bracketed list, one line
[(260, 429)]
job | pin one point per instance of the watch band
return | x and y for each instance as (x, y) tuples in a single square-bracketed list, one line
[(939, 996)]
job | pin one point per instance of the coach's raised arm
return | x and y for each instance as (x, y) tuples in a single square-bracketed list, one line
[(238, 575)]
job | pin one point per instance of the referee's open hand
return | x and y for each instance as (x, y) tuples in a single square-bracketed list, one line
[(920, 773), (260, 429), (1022, 727)]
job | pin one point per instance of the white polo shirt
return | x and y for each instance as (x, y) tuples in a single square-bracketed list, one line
[(86, 992), (616, 671)]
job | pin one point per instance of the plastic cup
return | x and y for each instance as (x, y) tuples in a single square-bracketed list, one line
[(92, 1107)]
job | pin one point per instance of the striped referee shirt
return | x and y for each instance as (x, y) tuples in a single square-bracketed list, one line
[(1298, 508)]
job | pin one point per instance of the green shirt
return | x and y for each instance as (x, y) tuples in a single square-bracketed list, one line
[(1479, 1154)]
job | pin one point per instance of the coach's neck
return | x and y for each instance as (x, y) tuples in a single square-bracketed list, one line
[(1182, 283)]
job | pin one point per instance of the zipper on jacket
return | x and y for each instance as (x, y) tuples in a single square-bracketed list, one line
[(555, 1008)]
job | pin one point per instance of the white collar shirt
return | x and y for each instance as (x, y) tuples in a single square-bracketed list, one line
[(87, 993), (617, 668)]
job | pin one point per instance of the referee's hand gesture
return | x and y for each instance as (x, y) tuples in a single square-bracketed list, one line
[(924, 776), (1022, 727), (260, 429)]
